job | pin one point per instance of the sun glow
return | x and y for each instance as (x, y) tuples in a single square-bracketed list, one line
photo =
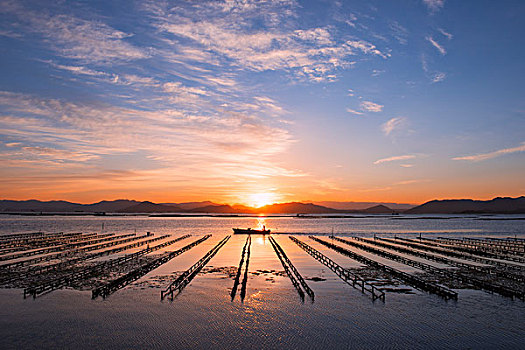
[(258, 200)]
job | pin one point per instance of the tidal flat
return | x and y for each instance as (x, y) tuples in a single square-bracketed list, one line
[(271, 313)]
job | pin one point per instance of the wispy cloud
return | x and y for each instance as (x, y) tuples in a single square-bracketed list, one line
[(446, 34), (350, 110), (434, 5), (371, 106), (393, 124), (228, 36), (433, 76), (395, 158), (79, 70), (485, 156), (76, 38), (232, 144), (399, 32), (411, 182), (434, 43), (438, 77)]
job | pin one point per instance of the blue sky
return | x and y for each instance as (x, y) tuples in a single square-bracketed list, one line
[(288, 100)]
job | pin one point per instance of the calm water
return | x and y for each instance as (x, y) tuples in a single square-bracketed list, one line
[(272, 315), (441, 225)]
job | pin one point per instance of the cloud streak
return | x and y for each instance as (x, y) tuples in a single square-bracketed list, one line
[(229, 38), (353, 111), (484, 156), (434, 5), (393, 124), (371, 106), (394, 159), (76, 38), (232, 145), (434, 43)]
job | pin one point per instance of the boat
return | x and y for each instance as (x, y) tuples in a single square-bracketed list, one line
[(250, 231)]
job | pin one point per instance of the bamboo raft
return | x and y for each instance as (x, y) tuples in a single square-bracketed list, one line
[(134, 275), (245, 255), (343, 273), (441, 259), (69, 253), (91, 271), (488, 286), (187, 276), (510, 266), (67, 246), (40, 269), (292, 272), (412, 280)]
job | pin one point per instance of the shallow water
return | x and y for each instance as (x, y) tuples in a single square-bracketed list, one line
[(471, 225), (272, 315)]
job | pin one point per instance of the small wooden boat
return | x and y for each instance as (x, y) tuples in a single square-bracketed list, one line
[(250, 231)]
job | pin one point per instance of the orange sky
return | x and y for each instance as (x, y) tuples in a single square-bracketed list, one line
[(262, 102)]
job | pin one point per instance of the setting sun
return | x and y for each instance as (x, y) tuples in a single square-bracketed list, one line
[(258, 200)]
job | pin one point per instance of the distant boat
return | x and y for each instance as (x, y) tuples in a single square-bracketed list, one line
[(250, 231)]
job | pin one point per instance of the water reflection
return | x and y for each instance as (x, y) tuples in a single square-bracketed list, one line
[(261, 223)]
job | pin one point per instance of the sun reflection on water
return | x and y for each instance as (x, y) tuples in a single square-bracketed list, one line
[(261, 223)]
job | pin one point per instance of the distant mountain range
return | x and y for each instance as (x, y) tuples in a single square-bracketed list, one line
[(362, 205), (131, 206), (454, 206), (499, 205)]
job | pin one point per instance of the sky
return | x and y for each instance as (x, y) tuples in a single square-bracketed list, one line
[(265, 101)]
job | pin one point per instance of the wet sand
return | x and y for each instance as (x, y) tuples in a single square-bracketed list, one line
[(272, 315)]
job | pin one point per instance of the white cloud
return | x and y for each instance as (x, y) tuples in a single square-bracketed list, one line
[(371, 106), (399, 32), (485, 156), (446, 34), (229, 38), (79, 70), (223, 141), (350, 110), (434, 5), (438, 77), (424, 63), (434, 43), (393, 124), (394, 159), (76, 38)]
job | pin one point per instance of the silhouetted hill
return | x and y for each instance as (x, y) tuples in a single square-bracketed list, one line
[(363, 205), (39, 206), (219, 208), (456, 206), (497, 205), (109, 206), (295, 208), (191, 205), (149, 207), (378, 209), (63, 206)]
